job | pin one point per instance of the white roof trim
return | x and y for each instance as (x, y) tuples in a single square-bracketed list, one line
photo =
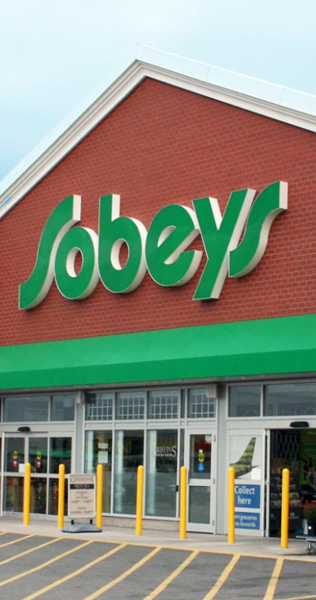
[(115, 94)]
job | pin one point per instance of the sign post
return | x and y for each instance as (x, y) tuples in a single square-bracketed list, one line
[(81, 503)]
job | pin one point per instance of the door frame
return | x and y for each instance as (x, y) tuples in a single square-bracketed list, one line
[(211, 483)]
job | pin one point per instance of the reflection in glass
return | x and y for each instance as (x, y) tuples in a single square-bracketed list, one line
[(14, 454), (99, 406), (63, 407), (60, 454), (200, 456), (129, 450), (163, 404), (200, 406), (161, 476), (26, 409), (53, 497), (38, 495), (244, 401), (199, 504), (38, 454), (13, 494), (290, 399), (130, 405)]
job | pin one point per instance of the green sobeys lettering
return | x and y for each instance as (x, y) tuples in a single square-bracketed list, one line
[(267, 206), (220, 236), (171, 231), (114, 231), (34, 290), (164, 250), (72, 285)]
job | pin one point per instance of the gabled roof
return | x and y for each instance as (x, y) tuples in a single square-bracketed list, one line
[(195, 80)]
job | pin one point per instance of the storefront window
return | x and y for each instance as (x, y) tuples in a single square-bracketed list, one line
[(60, 453), (99, 407), (63, 407), (98, 451), (130, 405), (200, 456), (161, 476), (199, 406), (244, 401), (38, 495), (53, 497), (199, 504), (163, 404), (290, 399), (13, 494), (26, 409), (14, 454), (38, 447), (285, 454), (129, 454)]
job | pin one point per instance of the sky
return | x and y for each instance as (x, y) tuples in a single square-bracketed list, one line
[(55, 55)]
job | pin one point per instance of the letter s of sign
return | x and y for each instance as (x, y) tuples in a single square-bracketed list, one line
[(221, 235), (267, 206), (34, 290)]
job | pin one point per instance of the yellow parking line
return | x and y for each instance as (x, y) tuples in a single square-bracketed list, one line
[(171, 577), (108, 586), (45, 564), (274, 579), (3, 562), (49, 587), (25, 537), (223, 577)]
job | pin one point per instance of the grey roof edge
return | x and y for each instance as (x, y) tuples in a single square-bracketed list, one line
[(116, 93)]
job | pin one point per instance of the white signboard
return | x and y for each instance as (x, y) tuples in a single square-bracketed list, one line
[(103, 457), (81, 496)]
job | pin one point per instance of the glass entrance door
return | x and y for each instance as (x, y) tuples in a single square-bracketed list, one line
[(200, 461), (162, 472), (44, 453)]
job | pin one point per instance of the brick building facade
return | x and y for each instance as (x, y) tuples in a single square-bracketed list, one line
[(154, 376)]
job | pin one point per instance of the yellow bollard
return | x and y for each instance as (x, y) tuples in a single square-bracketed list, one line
[(98, 519), (27, 494), (61, 496), (285, 508), (231, 505), (183, 503), (139, 501)]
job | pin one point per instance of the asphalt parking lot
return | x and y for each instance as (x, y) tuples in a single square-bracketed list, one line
[(35, 566)]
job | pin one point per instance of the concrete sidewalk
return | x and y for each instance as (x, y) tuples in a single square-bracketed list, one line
[(252, 546)]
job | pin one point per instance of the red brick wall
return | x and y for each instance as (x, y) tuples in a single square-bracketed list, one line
[(163, 145)]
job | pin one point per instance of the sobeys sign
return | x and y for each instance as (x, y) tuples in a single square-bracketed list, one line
[(162, 250)]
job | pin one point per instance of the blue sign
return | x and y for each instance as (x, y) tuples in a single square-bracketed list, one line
[(247, 520), (247, 496)]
